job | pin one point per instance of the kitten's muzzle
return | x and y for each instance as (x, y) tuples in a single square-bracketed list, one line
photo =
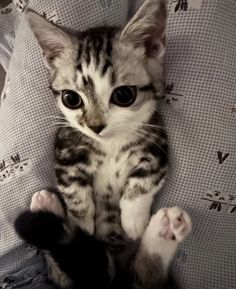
[(97, 129)]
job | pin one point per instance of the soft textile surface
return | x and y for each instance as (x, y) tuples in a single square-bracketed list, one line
[(8, 22), (199, 112), (201, 65)]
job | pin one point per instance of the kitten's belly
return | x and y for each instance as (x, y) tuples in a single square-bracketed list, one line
[(112, 173), (108, 185)]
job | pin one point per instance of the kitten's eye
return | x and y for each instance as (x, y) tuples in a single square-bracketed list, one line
[(124, 96), (71, 99)]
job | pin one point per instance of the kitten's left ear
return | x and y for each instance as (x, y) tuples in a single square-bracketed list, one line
[(147, 28), (52, 40)]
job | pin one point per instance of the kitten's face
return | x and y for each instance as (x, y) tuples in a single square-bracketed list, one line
[(107, 80), (107, 94)]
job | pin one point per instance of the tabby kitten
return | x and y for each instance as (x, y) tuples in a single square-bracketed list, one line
[(111, 156)]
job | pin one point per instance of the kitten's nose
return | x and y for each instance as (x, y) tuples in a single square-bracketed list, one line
[(97, 128)]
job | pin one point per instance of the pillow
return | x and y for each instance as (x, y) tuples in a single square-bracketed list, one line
[(26, 117), (8, 22), (200, 115)]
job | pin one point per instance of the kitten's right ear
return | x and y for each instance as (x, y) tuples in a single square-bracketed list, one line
[(147, 28), (52, 40)]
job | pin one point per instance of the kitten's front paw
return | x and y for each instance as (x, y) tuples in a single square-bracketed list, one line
[(46, 201), (167, 228), (170, 224)]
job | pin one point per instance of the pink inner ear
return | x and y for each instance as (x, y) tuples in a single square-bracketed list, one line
[(153, 44), (156, 33), (151, 49)]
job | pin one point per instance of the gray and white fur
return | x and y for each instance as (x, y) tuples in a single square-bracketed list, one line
[(111, 152)]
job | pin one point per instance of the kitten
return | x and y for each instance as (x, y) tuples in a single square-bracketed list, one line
[(111, 156)]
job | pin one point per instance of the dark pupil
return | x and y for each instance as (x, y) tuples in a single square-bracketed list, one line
[(124, 95), (71, 99)]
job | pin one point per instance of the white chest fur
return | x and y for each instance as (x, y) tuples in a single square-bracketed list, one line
[(112, 174)]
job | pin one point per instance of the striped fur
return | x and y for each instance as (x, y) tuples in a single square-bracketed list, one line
[(108, 179)]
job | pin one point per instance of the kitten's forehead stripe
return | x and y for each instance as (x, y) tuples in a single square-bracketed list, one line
[(88, 53), (96, 44), (95, 73), (109, 47), (90, 82), (105, 67), (79, 67), (85, 82), (80, 51)]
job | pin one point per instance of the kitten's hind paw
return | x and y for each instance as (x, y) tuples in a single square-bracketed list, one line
[(171, 224), (47, 202)]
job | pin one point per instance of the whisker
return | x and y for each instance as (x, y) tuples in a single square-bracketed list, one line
[(152, 125), (64, 123), (154, 141), (61, 124), (132, 129), (143, 133), (148, 133), (138, 124), (56, 118), (148, 125)]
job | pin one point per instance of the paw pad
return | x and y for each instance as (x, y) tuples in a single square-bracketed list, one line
[(46, 201), (171, 224)]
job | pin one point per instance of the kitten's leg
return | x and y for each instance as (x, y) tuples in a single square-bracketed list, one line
[(167, 228), (81, 209), (80, 256), (135, 215), (45, 207), (77, 253), (78, 197), (55, 273), (137, 199), (42, 226), (136, 203)]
